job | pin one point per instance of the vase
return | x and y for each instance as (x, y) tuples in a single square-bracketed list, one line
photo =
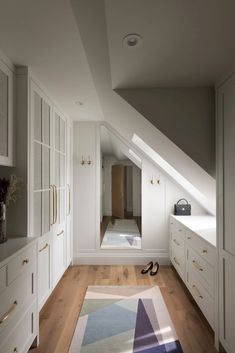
[(3, 228)]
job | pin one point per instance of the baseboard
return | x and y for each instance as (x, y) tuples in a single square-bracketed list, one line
[(118, 259)]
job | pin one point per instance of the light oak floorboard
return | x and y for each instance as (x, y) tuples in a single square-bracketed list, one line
[(59, 315)]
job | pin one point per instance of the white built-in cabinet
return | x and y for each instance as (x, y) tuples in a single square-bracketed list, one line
[(226, 210), (49, 193), (6, 114)]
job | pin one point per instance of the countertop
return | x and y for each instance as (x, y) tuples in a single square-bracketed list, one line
[(12, 247), (203, 225)]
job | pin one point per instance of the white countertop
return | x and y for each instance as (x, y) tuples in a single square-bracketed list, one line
[(203, 225), (13, 246)]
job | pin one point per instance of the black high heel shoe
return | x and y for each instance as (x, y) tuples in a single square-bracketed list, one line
[(155, 269), (147, 268)]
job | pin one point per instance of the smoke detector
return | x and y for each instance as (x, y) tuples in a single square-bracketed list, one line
[(132, 40)]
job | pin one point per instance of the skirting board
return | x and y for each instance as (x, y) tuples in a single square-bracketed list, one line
[(119, 259)]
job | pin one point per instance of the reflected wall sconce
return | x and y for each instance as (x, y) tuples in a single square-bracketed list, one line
[(155, 181), (86, 161)]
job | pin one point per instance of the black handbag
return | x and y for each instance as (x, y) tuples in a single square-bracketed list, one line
[(182, 209)]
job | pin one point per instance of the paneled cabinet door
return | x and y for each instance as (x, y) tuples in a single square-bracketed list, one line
[(6, 115), (44, 271), (42, 164), (60, 231), (226, 221), (69, 197)]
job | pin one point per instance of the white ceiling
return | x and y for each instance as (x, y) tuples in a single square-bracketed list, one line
[(185, 42), (111, 145), (44, 36)]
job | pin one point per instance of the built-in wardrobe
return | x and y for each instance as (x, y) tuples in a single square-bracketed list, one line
[(43, 142), (226, 210)]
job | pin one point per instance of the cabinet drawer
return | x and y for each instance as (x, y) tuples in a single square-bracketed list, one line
[(21, 291), (178, 239), (178, 260), (207, 251), (21, 263), (203, 269), (20, 339), (201, 296), (3, 278)]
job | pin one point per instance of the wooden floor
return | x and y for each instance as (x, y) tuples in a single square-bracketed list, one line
[(59, 315)]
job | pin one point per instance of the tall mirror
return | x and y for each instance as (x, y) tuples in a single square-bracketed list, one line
[(120, 194)]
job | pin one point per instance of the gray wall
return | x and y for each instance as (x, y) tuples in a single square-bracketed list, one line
[(185, 115)]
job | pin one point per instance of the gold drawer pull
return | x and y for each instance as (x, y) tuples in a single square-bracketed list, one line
[(197, 291), (15, 350), (62, 232), (25, 261), (177, 263), (45, 246), (189, 238), (177, 243), (9, 312), (180, 230), (204, 251), (197, 265)]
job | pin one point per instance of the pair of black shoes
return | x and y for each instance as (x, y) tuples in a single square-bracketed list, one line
[(153, 268)]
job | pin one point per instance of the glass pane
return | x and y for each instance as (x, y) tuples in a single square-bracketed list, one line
[(46, 123), (57, 132), (37, 166), (62, 170), (57, 169), (37, 117), (45, 212), (3, 114), (45, 167), (37, 213), (62, 135)]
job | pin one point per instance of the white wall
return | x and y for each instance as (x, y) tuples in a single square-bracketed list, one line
[(157, 204)]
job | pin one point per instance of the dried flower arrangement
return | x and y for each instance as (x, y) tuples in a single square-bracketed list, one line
[(10, 189)]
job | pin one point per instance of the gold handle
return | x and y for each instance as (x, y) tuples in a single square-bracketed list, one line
[(15, 350), (8, 313), (197, 291), (52, 200), (62, 232), (179, 230), (177, 263), (189, 238), (69, 211), (177, 243), (55, 218), (197, 265), (204, 251), (44, 247), (25, 261)]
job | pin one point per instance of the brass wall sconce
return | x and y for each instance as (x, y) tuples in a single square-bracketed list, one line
[(86, 161), (155, 181)]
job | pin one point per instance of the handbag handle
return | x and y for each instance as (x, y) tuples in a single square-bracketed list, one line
[(182, 200)]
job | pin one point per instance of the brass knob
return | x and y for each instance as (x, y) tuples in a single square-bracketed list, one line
[(15, 350), (204, 251), (25, 261)]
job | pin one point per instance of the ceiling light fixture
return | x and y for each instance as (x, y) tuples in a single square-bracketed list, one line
[(132, 40)]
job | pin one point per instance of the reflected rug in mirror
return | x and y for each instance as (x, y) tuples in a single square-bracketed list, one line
[(124, 319)]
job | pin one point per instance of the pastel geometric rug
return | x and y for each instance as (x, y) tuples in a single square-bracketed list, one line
[(123, 234), (124, 319)]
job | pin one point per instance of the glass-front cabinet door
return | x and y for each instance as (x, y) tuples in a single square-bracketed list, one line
[(43, 191), (6, 115)]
